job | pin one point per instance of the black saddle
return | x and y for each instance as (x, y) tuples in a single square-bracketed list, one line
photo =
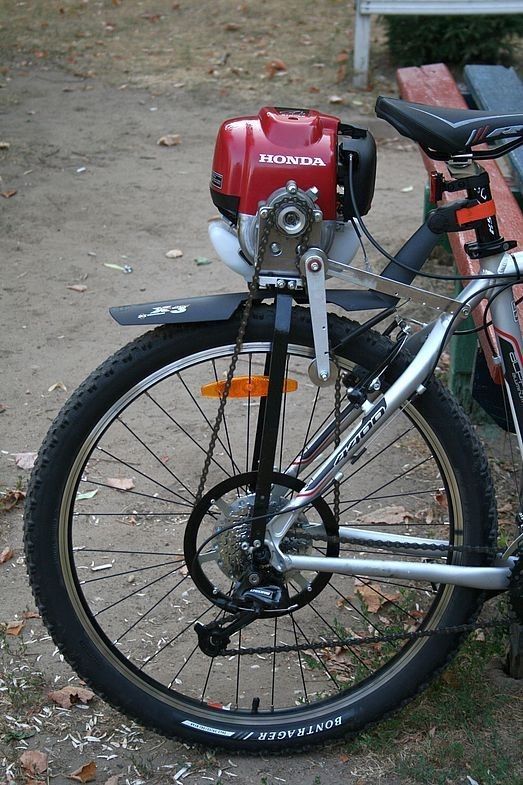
[(448, 131)]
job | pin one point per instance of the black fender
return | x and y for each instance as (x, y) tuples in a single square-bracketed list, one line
[(220, 307), (213, 308)]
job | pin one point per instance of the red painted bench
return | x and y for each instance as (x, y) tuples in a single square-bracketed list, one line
[(435, 85)]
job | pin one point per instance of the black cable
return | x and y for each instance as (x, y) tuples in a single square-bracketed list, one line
[(362, 244), (485, 325), (457, 315), (393, 259)]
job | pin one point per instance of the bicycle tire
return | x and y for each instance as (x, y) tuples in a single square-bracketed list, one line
[(153, 384)]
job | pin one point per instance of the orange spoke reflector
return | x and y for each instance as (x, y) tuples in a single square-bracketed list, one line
[(246, 387)]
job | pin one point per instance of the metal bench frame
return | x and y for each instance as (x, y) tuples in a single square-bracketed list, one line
[(364, 9)]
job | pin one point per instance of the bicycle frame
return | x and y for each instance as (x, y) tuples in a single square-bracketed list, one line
[(371, 416)]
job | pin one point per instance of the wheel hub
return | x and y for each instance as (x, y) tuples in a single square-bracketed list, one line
[(233, 537)]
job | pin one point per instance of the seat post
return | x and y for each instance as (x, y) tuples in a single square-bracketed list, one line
[(488, 239)]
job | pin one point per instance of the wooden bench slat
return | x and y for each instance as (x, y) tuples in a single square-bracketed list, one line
[(498, 89), (434, 84)]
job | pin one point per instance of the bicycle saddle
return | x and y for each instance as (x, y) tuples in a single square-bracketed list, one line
[(446, 130)]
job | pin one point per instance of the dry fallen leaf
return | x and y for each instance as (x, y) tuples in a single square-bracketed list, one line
[(33, 761), (169, 140), (70, 695), (275, 67), (335, 99), (57, 386), (78, 287), (8, 194), (231, 26), (30, 615), (10, 498), (25, 460), (372, 599), (121, 483), (113, 780), (342, 57), (387, 515), (441, 498), (174, 254), (6, 554), (85, 773), (14, 627)]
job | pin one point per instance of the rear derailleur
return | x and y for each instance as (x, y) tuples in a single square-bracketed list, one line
[(252, 602)]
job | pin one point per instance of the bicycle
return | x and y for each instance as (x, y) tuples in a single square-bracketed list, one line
[(259, 526)]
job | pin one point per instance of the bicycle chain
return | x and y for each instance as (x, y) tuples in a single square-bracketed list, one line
[(348, 642), (415, 546), (253, 288), (392, 637)]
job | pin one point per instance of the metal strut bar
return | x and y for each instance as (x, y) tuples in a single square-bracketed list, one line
[(271, 418)]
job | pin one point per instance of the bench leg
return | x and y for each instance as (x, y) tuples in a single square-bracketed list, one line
[(515, 651), (361, 50), (462, 356)]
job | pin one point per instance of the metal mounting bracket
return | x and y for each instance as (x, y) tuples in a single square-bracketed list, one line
[(313, 263), (378, 283)]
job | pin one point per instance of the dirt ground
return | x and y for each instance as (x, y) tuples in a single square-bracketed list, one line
[(96, 193)]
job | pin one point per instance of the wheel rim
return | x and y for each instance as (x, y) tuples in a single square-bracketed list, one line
[(93, 569)]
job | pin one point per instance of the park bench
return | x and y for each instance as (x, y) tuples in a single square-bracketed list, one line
[(435, 85), (364, 9)]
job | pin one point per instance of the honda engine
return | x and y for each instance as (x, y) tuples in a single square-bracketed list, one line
[(281, 181)]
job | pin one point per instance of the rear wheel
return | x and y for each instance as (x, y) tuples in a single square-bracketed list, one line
[(123, 567)]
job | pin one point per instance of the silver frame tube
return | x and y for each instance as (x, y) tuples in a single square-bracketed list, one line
[(489, 578), (374, 415)]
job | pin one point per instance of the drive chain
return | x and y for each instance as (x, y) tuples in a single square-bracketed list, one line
[(349, 642), (253, 288)]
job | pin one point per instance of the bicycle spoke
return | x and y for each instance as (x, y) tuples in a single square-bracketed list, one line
[(317, 657), (156, 457), (183, 429), (273, 672), (228, 450), (140, 589), (385, 485), (133, 493), (138, 471), (302, 672), (126, 572)]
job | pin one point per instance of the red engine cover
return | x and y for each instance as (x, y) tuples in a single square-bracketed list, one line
[(254, 156)]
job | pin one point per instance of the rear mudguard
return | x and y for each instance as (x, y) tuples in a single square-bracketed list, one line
[(220, 307)]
